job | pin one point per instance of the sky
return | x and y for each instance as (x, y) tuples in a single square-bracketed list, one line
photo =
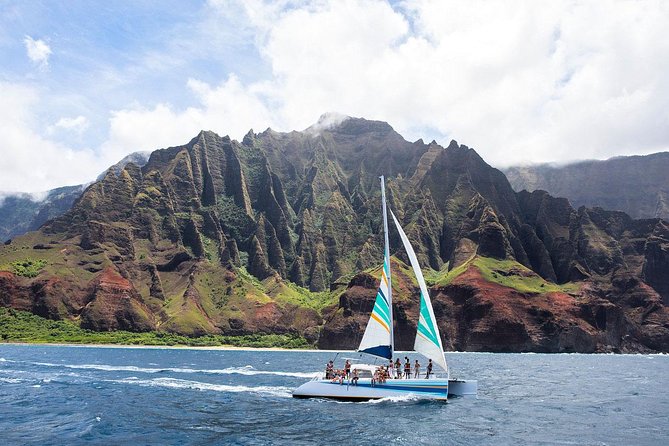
[(84, 83)]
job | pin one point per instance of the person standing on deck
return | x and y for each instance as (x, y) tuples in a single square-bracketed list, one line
[(416, 369), (390, 368), (398, 368), (347, 369), (407, 368), (429, 369)]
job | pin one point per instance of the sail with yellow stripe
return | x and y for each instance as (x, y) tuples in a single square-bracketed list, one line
[(378, 337)]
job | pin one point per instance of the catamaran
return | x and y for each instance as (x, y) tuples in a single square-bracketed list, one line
[(378, 340)]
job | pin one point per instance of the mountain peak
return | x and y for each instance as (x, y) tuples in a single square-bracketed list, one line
[(327, 121)]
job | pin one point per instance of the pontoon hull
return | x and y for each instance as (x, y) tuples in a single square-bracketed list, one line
[(462, 388), (431, 389)]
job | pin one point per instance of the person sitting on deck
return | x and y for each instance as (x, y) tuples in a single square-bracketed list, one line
[(416, 369), (355, 378), (335, 376), (407, 368)]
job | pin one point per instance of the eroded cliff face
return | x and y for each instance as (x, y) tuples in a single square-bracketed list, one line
[(475, 313), (636, 185), (220, 236)]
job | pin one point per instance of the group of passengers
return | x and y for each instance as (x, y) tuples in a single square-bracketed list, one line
[(381, 374)]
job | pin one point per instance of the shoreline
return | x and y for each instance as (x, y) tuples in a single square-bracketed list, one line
[(281, 349), (174, 347)]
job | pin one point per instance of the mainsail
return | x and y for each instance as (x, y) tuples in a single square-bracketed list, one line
[(378, 337), (428, 340)]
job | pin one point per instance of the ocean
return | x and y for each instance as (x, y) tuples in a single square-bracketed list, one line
[(170, 396)]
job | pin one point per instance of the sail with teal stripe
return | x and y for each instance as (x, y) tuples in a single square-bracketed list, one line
[(428, 340), (378, 337)]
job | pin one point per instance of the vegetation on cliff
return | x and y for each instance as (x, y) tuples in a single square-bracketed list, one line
[(22, 326)]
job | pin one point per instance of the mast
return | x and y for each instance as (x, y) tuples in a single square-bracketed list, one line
[(386, 262), (378, 337)]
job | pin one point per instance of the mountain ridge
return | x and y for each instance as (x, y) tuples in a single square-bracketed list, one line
[(271, 234), (636, 184), (23, 212)]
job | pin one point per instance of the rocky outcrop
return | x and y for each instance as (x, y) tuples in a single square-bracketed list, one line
[(114, 304), (478, 315)]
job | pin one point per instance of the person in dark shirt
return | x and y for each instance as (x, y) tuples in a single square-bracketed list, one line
[(429, 369), (407, 368)]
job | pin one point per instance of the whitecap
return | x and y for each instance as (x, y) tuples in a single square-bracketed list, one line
[(247, 370), (10, 380), (173, 383)]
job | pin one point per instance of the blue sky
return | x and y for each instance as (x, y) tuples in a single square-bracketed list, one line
[(86, 82)]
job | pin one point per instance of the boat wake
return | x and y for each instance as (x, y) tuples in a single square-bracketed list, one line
[(398, 399), (173, 383), (246, 370)]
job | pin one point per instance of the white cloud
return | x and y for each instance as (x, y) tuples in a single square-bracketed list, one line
[(77, 125), (31, 162), (38, 51), (520, 82), (530, 81)]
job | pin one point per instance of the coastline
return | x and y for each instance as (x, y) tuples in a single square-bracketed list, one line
[(291, 350), (164, 347)]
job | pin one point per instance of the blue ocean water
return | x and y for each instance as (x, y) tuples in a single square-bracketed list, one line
[(100, 395)]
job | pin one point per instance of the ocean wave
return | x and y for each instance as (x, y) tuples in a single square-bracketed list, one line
[(10, 380), (246, 370), (173, 383)]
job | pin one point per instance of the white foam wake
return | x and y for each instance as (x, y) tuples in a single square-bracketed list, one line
[(173, 383), (246, 370), (396, 399)]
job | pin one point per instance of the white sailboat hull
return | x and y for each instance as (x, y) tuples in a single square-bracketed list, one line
[(422, 388)]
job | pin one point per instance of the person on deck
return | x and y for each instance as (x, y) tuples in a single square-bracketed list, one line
[(398, 368), (354, 380), (347, 369), (416, 369), (390, 368), (329, 370), (407, 368), (429, 369)]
